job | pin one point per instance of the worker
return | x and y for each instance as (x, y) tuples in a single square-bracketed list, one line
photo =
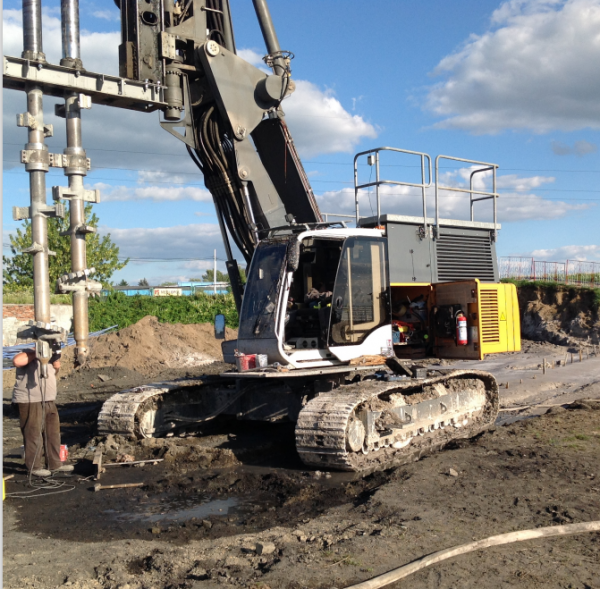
[(40, 426), (317, 295)]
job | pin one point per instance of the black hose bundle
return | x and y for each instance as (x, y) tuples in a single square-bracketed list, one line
[(217, 161)]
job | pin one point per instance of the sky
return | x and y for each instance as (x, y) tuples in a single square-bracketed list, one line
[(514, 83)]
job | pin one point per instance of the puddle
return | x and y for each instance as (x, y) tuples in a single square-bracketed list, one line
[(179, 511), (508, 419)]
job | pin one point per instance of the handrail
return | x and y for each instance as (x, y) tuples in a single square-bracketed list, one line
[(473, 200), (485, 195), (423, 185)]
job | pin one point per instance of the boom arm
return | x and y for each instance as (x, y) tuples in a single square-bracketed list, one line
[(227, 111)]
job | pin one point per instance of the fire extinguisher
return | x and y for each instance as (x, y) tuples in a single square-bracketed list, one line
[(461, 330)]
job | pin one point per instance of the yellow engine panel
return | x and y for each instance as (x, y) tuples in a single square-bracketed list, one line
[(499, 320)]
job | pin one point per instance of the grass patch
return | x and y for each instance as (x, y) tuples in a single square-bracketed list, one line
[(25, 297)]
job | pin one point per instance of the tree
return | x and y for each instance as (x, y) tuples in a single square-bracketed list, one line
[(208, 276), (123, 283), (143, 282), (168, 283), (102, 253)]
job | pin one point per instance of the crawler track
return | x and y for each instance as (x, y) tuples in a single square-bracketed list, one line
[(154, 409), (322, 438)]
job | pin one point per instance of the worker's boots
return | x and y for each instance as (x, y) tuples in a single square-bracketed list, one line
[(65, 468), (41, 472)]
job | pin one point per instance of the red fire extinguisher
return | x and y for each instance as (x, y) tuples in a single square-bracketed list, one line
[(461, 330)]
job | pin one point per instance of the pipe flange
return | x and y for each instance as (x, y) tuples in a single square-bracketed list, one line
[(78, 282)]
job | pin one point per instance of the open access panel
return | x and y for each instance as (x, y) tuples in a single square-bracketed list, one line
[(424, 319)]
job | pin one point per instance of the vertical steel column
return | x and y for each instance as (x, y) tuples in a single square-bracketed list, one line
[(37, 165), (32, 30), (39, 222), (75, 170), (69, 13)]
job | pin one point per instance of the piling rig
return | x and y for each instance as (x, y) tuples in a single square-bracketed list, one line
[(347, 365)]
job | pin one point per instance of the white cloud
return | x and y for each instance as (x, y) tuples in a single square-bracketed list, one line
[(318, 121), (483, 181), (254, 58), (320, 124), (199, 265), (516, 202), (531, 70), (182, 241), (112, 15), (154, 193), (584, 147), (579, 148), (150, 176), (568, 252)]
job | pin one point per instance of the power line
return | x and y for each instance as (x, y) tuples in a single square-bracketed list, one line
[(315, 162), (195, 184), (169, 259)]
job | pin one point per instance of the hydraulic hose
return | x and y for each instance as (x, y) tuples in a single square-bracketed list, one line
[(426, 561)]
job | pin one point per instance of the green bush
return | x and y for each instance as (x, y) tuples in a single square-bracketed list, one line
[(119, 309)]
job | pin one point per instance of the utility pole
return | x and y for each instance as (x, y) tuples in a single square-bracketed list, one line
[(215, 273), (76, 164)]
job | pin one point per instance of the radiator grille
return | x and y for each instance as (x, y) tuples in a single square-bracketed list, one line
[(490, 323), (463, 257)]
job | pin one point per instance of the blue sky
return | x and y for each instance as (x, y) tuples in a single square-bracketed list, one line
[(515, 83)]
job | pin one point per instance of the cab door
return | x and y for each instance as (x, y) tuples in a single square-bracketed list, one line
[(492, 313), (360, 315)]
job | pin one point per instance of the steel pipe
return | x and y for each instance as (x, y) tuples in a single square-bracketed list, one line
[(71, 49), (32, 30), (75, 171), (39, 222), (269, 34)]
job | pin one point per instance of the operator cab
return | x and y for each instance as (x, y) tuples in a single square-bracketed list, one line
[(337, 298), (328, 306), (310, 294)]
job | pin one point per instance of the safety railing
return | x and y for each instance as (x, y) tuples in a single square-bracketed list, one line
[(583, 273), (571, 272), (516, 268), (336, 215), (373, 159), (474, 195), (549, 271)]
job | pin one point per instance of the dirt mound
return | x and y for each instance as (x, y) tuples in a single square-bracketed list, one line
[(560, 315), (150, 347)]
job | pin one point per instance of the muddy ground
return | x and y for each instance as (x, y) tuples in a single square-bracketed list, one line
[(236, 507)]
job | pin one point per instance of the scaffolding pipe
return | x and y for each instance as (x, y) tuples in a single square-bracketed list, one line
[(69, 12), (75, 171), (32, 49), (32, 30)]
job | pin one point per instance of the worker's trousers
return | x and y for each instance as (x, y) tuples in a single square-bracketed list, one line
[(41, 434)]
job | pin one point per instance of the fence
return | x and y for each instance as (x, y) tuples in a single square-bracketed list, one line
[(9, 352), (572, 272)]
